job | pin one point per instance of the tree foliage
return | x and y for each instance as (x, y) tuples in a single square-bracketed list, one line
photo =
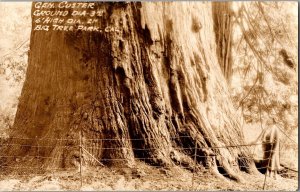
[(266, 62)]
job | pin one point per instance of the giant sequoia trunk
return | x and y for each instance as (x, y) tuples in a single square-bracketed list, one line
[(148, 93)]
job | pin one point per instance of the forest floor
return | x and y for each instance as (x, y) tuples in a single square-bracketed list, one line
[(144, 177)]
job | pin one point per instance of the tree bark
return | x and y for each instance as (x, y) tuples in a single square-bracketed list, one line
[(149, 93), (223, 28)]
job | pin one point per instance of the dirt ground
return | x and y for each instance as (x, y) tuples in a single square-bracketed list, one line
[(142, 178)]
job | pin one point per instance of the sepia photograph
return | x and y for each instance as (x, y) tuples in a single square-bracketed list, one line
[(149, 96)]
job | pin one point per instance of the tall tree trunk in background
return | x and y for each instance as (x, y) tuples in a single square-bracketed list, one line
[(156, 86), (223, 27)]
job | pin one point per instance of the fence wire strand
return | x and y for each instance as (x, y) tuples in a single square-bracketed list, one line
[(84, 144)]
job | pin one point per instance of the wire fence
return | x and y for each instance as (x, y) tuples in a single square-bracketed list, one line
[(84, 149)]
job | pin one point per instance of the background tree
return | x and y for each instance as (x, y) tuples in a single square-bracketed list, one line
[(14, 44), (265, 83)]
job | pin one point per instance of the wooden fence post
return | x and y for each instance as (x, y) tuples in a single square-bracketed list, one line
[(265, 180), (80, 151), (195, 163)]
